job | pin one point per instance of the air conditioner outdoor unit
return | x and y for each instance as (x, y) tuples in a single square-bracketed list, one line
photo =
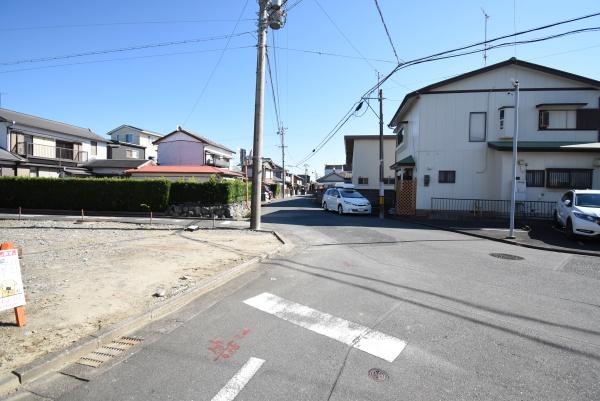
[(597, 162)]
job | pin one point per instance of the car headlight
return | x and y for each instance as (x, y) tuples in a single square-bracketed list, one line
[(587, 217)]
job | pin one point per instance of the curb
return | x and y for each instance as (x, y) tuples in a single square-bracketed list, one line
[(57, 359), (505, 241)]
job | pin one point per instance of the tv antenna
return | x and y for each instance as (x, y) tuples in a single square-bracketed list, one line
[(485, 17)]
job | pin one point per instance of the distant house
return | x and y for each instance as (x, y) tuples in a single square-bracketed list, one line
[(330, 168), (269, 169), (455, 140), (176, 173), (362, 158), (48, 148), (333, 178), (185, 148), (129, 142), (115, 167)]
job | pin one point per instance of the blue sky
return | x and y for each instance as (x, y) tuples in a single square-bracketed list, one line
[(157, 88)]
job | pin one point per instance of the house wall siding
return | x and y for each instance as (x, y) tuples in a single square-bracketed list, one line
[(437, 135), (180, 149), (365, 162)]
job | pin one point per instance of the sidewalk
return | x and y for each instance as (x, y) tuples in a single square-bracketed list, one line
[(536, 234)]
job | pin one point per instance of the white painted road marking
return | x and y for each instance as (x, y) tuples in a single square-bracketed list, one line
[(353, 334), (239, 381)]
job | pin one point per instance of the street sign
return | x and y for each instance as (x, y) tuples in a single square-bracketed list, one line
[(11, 284)]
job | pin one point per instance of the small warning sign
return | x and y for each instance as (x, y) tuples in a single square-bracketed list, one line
[(11, 284)]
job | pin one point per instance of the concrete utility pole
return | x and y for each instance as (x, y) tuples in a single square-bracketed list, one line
[(513, 194), (271, 14), (381, 190)]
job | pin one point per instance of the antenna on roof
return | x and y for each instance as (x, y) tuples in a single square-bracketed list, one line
[(178, 127), (486, 17)]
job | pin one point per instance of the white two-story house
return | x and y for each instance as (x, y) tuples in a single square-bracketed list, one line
[(129, 142), (454, 140), (47, 148), (362, 158)]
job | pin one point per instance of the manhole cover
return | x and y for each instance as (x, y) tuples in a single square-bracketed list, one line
[(378, 375), (506, 256)]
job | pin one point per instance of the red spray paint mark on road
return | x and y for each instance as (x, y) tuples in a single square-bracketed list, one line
[(224, 350)]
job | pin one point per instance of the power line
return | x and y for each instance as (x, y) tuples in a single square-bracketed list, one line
[(124, 49), (324, 53), (387, 32), (216, 64), (124, 59), (448, 54), (120, 23), (275, 103), (276, 70)]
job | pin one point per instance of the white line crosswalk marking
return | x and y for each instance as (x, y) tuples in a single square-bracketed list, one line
[(239, 381), (353, 334)]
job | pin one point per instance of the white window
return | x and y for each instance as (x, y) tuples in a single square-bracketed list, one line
[(94, 148), (477, 126), (132, 153), (557, 119)]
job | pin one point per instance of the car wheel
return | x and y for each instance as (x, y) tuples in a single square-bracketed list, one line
[(569, 229), (556, 220), (325, 206), (340, 210)]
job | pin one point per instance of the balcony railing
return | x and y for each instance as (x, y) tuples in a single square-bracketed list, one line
[(217, 162), (490, 208), (49, 152)]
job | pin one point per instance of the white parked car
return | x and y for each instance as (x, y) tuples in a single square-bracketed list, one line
[(579, 212), (345, 200)]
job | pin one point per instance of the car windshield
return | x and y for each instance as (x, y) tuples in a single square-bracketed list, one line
[(588, 200), (349, 193)]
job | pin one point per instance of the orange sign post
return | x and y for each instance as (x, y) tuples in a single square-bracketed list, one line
[(12, 294)]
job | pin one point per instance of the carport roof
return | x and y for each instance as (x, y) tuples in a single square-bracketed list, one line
[(407, 161), (546, 146)]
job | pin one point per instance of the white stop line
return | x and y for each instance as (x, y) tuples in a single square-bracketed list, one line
[(353, 334), (239, 381)]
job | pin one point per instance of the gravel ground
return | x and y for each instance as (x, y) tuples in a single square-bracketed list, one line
[(80, 277)]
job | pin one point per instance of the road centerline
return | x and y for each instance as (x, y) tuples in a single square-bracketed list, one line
[(350, 333), (239, 380)]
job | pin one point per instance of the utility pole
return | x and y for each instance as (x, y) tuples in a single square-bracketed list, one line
[(282, 133), (513, 195), (275, 20), (381, 190)]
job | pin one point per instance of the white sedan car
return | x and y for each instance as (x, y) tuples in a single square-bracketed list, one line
[(579, 212), (345, 200)]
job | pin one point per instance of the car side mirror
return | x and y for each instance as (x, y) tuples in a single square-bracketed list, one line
[(568, 203)]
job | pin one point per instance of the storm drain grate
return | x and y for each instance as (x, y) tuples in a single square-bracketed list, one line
[(378, 375), (109, 351), (506, 256)]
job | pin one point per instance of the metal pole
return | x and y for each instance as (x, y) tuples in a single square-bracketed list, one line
[(282, 132), (381, 190), (258, 117), (513, 194)]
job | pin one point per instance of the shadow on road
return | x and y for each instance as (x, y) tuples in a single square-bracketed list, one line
[(301, 267)]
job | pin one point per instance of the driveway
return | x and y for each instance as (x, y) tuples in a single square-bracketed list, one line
[(369, 309)]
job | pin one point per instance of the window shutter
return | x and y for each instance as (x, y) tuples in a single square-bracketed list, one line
[(588, 119)]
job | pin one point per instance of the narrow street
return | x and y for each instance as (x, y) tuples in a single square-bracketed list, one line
[(365, 309)]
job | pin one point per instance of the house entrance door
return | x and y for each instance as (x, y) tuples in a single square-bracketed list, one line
[(406, 194)]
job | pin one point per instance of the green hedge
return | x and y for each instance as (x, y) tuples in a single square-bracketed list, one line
[(100, 194), (212, 192)]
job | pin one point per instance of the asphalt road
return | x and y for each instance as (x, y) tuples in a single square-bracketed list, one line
[(436, 315)]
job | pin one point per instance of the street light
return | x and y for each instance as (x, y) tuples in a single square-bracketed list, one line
[(513, 195)]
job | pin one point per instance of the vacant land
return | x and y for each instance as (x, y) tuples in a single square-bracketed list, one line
[(81, 277)]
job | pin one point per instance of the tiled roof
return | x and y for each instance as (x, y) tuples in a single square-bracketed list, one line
[(50, 125), (183, 170)]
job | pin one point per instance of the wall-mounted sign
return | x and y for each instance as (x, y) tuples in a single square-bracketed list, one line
[(11, 284)]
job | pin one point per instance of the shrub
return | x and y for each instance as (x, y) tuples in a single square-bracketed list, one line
[(211, 192), (100, 194)]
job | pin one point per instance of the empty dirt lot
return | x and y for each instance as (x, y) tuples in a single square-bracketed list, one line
[(80, 277)]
